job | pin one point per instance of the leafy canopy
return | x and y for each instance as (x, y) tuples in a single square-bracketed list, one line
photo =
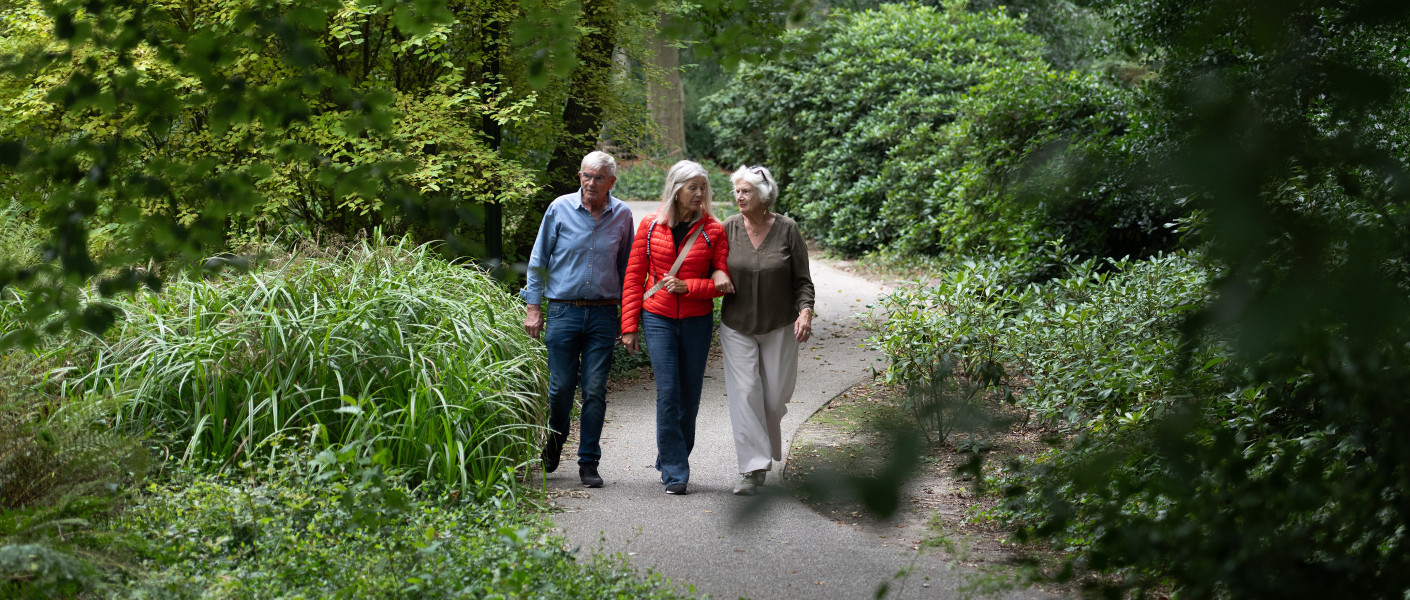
[(151, 136)]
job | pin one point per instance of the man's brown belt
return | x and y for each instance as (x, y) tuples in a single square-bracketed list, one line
[(600, 302)]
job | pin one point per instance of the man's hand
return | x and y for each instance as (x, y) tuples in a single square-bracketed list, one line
[(629, 340), (533, 321), (722, 281)]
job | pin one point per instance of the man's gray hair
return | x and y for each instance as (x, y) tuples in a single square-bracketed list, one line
[(761, 179), (599, 160)]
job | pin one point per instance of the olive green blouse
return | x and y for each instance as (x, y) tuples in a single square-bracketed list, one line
[(771, 283)]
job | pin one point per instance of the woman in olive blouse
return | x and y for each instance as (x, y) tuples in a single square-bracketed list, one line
[(766, 313)]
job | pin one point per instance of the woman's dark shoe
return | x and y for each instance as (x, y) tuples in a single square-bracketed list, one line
[(588, 473), (676, 489)]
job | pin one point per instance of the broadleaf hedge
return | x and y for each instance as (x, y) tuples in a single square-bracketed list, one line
[(910, 128)]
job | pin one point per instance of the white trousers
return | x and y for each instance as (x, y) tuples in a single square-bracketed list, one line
[(760, 374)]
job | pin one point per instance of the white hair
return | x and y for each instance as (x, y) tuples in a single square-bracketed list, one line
[(761, 179), (676, 178), (601, 160)]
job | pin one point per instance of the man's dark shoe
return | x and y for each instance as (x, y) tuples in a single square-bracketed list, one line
[(551, 451), (676, 489), (588, 473)]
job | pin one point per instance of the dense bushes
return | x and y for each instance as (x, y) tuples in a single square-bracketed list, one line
[(827, 119), (1227, 436), (1159, 420), (922, 153), (643, 181), (1090, 346)]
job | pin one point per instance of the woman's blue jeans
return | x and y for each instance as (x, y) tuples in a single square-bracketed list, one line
[(580, 341), (679, 349)]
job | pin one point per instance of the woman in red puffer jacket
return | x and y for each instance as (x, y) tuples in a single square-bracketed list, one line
[(673, 312)]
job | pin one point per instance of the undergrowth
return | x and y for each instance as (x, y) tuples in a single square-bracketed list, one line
[(327, 524), (424, 359), (352, 423), (335, 525)]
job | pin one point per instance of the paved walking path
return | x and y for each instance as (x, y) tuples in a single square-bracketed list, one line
[(701, 540)]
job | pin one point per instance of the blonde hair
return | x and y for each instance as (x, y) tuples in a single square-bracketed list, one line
[(761, 179), (676, 178)]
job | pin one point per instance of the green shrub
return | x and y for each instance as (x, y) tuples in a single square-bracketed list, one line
[(1011, 185), (644, 181), (423, 358), (334, 525), (932, 151), (1102, 342), (826, 118), (1090, 346), (1075, 34)]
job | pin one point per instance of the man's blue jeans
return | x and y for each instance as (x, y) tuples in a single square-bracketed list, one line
[(580, 341), (679, 349)]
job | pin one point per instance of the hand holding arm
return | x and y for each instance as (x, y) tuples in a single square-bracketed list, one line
[(723, 284)]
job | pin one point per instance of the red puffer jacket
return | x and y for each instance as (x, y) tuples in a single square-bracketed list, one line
[(709, 254)]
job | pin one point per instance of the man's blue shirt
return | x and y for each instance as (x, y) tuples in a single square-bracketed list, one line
[(577, 257)]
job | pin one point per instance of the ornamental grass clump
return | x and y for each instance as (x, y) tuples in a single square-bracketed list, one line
[(421, 361)]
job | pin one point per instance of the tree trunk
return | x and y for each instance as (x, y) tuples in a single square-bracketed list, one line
[(494, 220), (582, 116), (665, 96)]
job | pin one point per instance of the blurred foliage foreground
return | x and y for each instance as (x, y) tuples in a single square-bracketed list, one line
[(1228, 405)]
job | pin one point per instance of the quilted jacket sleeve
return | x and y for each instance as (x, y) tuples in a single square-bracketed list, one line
[(714, 255), (634, 282)]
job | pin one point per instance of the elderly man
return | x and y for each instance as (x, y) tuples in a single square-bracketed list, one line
[(577, 265)]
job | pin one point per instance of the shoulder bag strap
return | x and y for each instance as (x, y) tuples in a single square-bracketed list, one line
[(680, 258)]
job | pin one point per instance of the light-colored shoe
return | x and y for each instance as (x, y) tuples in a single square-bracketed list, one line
[(746, 485), (758, 477)]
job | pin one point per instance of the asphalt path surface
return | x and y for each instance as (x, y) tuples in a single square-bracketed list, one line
[(704, 542)]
